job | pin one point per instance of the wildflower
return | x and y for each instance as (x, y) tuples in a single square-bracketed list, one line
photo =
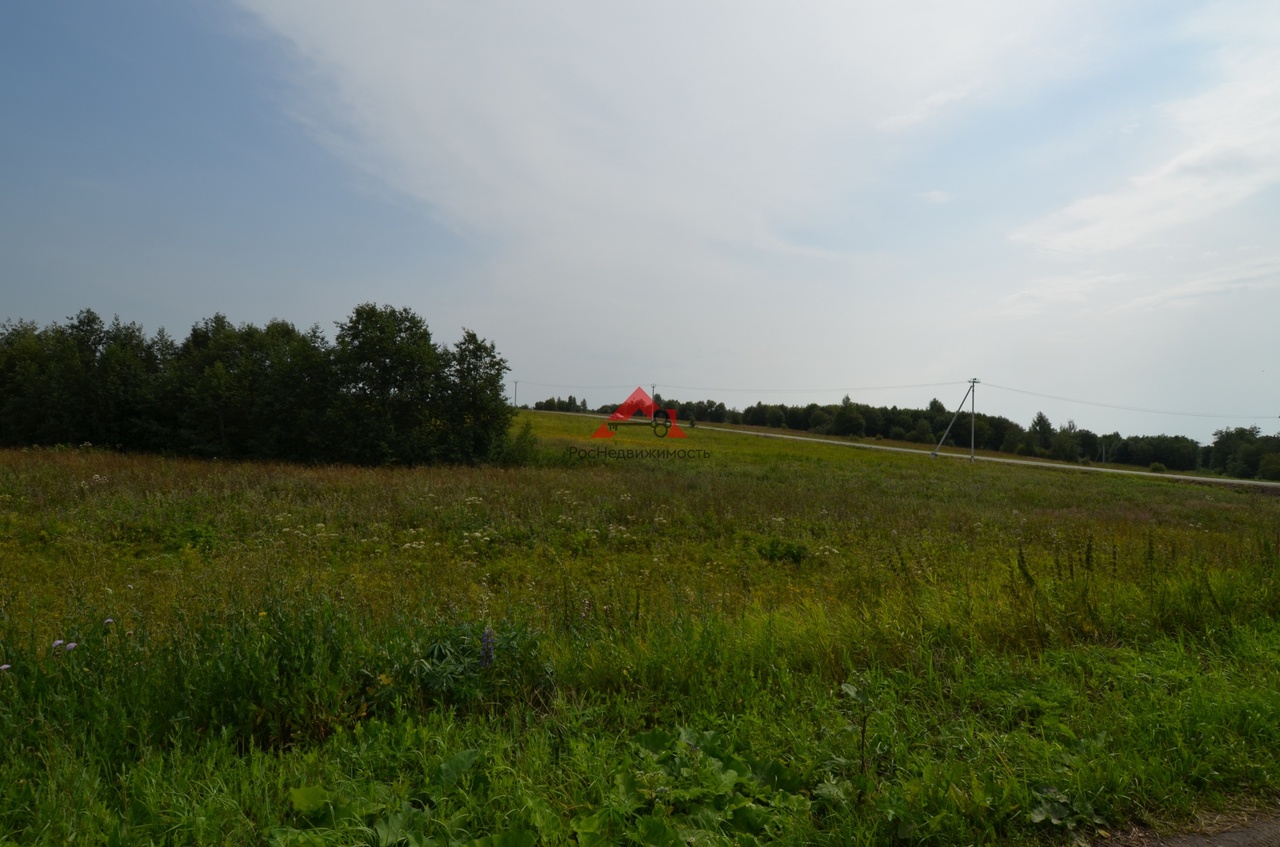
[(487, 642), (70, 647), (108, 621), (58, 643), (5, 667)]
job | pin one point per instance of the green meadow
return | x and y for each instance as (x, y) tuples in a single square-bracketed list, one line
[(757, 641)]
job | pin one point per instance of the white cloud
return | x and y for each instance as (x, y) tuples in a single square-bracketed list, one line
[(721, 121), (1229, 150), (927, 108), (935, 197), (1254, 275), (1050, 294), (1111, 294)]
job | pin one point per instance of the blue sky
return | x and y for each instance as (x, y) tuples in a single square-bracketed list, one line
[(152, 170), (744, 200)]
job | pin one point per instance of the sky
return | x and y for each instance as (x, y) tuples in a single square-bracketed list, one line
[(1077, 203)]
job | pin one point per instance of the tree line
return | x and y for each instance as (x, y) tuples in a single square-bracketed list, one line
[(1242, 452), (382, 392)]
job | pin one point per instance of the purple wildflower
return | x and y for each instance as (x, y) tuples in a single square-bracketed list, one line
[(108, 621), (5, 667), (70, 647), (58, 644), (487, 642)]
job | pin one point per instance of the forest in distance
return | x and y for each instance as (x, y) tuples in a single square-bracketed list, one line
[(1241, 452), (383, 392)]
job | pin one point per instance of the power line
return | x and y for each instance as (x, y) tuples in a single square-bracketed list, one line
[(754, 390), (846, 390), (815, 390), (1127, 408), (578, 387)]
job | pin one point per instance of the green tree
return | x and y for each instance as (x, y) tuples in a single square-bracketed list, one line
[(873, 419), (384, 393), (1065, 445), (1088, 442), (127, 381), (756, 415), (74, 382), (208, 390), (474, 406), (389, 377), (1041, 432), (847, 421), (1014, 437), (22, 383), (1231, 454), (921, 432), (294, 388)]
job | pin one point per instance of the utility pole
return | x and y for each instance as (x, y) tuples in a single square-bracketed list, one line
[(515, 401), (973, 416), (973, 383)]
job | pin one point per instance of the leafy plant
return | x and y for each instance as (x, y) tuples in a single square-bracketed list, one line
[(1055, 808), (775, 549), (691, 788)]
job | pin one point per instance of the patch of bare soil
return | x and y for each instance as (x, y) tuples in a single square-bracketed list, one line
[(1246, 828)]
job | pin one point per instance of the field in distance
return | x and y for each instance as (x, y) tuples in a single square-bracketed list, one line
[(749, 641)]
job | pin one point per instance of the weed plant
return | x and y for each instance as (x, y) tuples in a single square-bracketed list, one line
[(779, 642)]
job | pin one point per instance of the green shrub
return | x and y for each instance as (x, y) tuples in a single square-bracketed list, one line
[(288, 669), (782, 550)]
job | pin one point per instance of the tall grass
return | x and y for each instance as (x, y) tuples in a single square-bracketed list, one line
[(882, 648)]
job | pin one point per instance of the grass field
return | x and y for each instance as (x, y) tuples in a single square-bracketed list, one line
[(762, 641)]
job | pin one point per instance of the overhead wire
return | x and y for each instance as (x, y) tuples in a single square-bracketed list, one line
[(847, 390), (812, 390), (1124, 408), (574, 387), (750, 390)]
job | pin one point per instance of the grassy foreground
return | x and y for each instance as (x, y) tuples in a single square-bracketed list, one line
[(776, 642)]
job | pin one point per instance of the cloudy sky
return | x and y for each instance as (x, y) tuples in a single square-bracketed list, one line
[(737, 200)]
